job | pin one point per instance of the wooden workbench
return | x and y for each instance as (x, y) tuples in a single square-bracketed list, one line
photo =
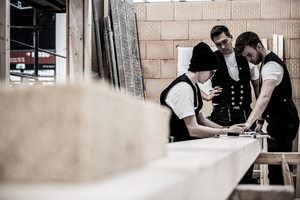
[(199, 169)]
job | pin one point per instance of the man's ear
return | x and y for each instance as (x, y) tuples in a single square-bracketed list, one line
[(259, 46)]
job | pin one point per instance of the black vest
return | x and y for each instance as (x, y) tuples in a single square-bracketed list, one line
[(281, 103), (177, 126), (235, 93)]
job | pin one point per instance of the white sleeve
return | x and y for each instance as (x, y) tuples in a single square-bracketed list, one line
[(272, 71), (181, 99), (254, 74)]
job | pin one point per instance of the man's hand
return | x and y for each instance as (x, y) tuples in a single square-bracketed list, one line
[(258, 128), (237, 128), (214, 92)]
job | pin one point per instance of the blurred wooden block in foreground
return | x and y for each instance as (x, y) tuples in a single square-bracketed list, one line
[(76, 133)]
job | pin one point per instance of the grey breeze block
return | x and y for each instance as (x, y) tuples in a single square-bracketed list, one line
[(76, 133)]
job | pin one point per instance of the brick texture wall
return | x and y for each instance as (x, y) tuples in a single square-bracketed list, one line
[(162, 26)]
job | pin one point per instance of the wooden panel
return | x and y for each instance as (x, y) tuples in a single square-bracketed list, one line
[(260, 192), (276, 158), (195, 169), (4, 41)]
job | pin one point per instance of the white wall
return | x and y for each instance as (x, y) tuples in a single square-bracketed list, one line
[(61, 48)]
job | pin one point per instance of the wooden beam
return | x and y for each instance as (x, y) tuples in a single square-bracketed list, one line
[(198, 169), (262, 192), (4, 41), (79, 40), (287, 177), (292, 158)]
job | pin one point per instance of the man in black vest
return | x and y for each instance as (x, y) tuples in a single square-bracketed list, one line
[(231, 95), (275, 102), (183, 97), (232, 104)]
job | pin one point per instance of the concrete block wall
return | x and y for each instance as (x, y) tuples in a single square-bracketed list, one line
[(162, 26)]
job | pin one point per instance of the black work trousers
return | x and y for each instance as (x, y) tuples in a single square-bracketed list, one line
[(226, 116), (283, 134)]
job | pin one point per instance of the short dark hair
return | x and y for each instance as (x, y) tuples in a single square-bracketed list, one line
[(246, 39), (217, 30)]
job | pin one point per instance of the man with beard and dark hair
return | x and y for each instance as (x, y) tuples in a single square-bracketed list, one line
[(275, 102)]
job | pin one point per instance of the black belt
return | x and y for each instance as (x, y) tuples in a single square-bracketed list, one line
[(218, 107)]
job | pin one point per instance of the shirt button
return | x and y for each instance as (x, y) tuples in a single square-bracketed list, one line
[(232, 98), (241, 97), (242, 91), (232, 92), (233, 103), (232, 87)]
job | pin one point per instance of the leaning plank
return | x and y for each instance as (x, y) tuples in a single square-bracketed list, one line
[(275, 44), (276, 158), (4, 41), (127, 50), (76, 133), (199, 169), (262, 192), (287, 177)]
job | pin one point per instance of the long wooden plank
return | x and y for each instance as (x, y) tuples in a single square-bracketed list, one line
[(4, 41), (275, 44), (199, 169), (264, 180), (87, 70), (292, 158), (280, 46), (262, 192)]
